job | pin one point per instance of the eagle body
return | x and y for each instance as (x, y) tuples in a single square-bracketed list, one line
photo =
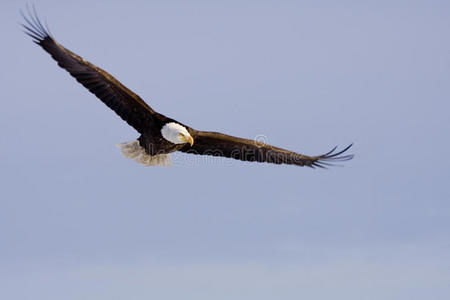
[(153, 141), (161, 135)]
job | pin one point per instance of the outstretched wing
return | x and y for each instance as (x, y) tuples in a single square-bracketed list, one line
[(129, 106), (219, 144)]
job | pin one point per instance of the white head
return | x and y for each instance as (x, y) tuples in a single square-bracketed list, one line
[(177, 134)]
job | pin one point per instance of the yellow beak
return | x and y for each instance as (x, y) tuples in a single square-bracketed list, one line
[(188, 139)]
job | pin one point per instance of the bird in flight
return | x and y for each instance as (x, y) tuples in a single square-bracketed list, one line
[(161, 135)]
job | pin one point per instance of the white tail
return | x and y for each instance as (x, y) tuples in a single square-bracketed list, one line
[(134, 151)]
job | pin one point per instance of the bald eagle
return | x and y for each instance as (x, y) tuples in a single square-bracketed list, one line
[(161, 135)]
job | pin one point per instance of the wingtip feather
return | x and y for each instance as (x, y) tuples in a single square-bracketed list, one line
[(329, 158), (33, 25)]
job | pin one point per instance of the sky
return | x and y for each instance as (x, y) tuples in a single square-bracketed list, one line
[(80, 221)]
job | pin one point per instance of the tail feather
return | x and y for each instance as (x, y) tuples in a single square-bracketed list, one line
[(137, 153)]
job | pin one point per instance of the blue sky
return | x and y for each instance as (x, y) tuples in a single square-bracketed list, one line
[(79, 221)]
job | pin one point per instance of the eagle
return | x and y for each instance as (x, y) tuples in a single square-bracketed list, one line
[(161, 135)]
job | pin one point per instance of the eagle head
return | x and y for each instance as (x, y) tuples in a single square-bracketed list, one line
[(176, 133)]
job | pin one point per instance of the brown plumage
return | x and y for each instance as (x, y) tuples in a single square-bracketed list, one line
[(219, 144), (132, 109)]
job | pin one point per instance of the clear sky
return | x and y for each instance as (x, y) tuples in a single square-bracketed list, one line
[(80, 221)]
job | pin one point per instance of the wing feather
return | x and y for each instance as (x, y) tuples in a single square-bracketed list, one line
[(219, 144), (129, 106)]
